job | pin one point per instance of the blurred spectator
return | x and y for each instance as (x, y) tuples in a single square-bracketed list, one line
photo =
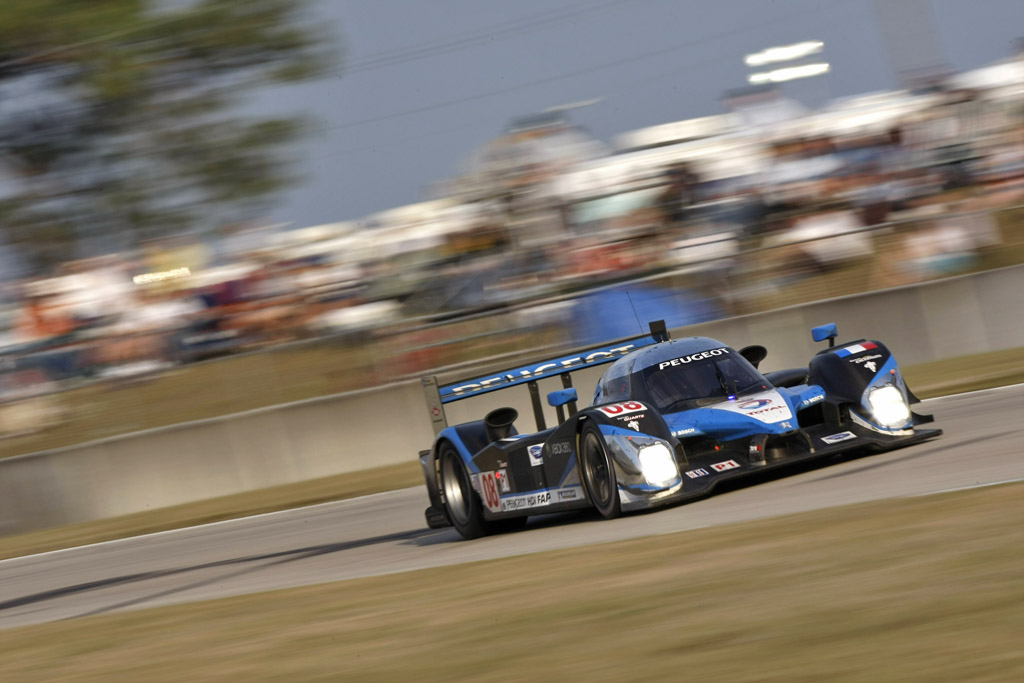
[(679, 195), (736, 209)]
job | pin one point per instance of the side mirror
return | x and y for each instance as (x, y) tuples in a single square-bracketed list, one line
[(754, 353), (823, 332), (562, 396)]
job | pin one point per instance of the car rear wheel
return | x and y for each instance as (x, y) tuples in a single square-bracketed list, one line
[(599, 473), (460, 500)]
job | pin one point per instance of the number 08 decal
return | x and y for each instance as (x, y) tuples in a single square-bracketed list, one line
[(623, 408), (489, 489)]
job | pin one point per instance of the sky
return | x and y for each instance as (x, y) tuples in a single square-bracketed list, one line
[(424, 83)]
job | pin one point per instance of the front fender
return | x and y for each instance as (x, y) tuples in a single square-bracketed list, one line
[(630, 416), (626, 447)]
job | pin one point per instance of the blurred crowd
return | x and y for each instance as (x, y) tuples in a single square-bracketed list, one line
[(546, 211)]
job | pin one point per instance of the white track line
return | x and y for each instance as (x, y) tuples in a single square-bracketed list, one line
[(385, 493), (990, 390), (968, 488)]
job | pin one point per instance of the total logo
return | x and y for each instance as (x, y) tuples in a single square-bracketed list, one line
[(754, 405)]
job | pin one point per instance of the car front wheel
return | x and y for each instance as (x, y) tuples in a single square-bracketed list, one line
[(599, 473)]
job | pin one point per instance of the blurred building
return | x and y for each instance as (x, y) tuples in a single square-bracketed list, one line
[(911, 42)]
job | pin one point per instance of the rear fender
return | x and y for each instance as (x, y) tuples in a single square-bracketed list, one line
[(436, 515), (467, 439)]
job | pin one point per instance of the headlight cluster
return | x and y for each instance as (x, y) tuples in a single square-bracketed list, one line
[(888, 406), (658, 465)]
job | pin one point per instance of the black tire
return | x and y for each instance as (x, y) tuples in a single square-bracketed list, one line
[(599, 472), (461, 502)]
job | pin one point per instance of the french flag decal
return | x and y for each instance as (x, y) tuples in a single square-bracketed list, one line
[(856, 348)]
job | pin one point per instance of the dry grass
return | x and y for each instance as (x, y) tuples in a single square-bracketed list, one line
[(966, 373), (926, 589)]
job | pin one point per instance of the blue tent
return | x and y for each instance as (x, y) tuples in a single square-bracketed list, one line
[(626, 311)]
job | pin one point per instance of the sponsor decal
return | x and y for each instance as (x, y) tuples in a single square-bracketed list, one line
[(634, 425), (617, 409), (723, 466), (867, 362), (526, 501), (768, 406), (754, 405), (502, 477), (786, 425), (630, 418), (692, 357), (489, 491), (693, 474), (760, 406), (536, 454), (567, 494), (684, 432), (561, 448), (812, 400), (836, 438), (539, 370), (855, 348)]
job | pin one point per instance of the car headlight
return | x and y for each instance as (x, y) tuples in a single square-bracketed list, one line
[(888, 406), (658, 465)]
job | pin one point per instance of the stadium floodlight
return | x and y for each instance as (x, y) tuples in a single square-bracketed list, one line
[(789, 73), (784, 53)]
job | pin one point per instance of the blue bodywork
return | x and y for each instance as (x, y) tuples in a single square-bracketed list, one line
[(674, 418)]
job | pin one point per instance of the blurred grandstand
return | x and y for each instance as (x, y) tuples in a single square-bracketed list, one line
[(686, 221)]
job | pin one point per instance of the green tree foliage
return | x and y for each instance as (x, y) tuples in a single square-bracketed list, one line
[(122, 117)]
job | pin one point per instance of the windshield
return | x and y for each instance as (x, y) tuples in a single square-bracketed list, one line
[(700, 383)]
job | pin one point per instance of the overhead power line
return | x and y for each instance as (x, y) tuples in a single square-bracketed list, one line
[(572, 74), (473, 38)]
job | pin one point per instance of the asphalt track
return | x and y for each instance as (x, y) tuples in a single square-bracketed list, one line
[(385, 533)]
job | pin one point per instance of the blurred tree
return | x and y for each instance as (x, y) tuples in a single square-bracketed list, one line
[(121, 119)]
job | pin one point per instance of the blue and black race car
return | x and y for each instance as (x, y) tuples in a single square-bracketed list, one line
[(669, 420)]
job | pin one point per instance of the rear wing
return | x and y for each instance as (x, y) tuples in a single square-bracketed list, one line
[(438, 395)]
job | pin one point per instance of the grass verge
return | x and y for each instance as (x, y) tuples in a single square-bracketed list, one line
[(924, 589)]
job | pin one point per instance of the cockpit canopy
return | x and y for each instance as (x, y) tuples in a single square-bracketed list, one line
[(679, 375)]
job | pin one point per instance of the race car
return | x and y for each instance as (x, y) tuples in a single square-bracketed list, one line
[(669, 420)]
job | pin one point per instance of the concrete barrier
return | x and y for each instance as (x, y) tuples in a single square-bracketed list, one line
[(389, 425)]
